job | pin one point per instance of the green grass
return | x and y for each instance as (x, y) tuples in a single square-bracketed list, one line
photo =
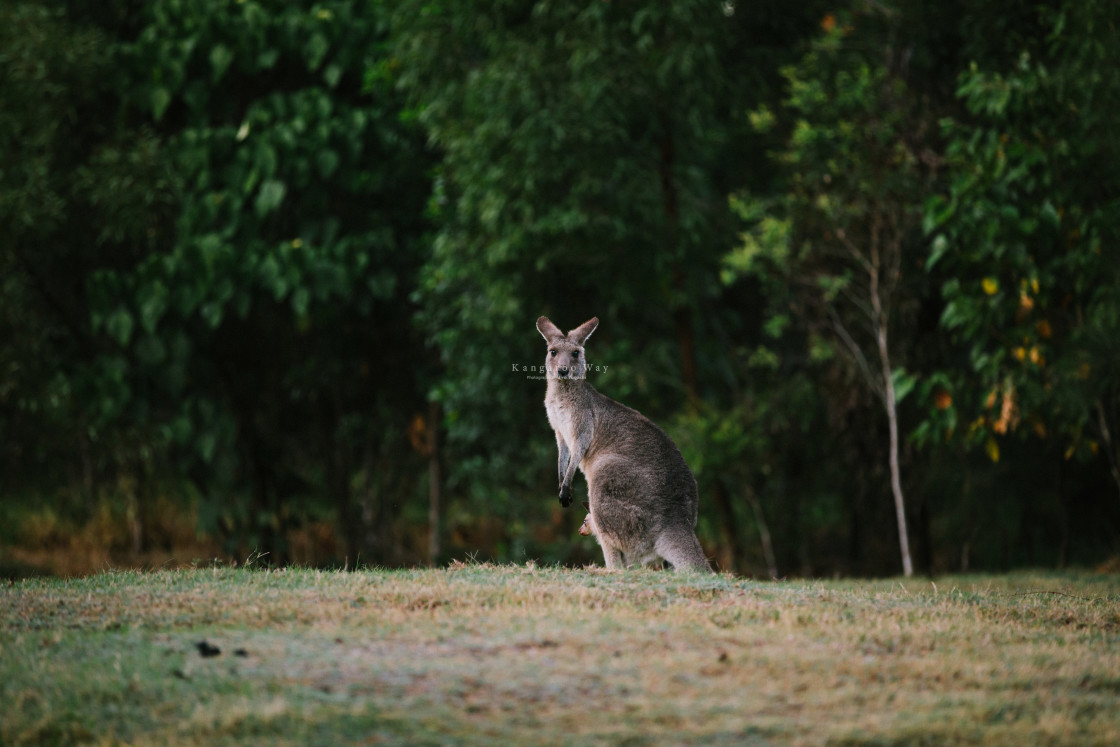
[(480, 654)]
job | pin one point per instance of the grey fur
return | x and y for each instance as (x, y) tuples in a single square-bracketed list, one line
[(642, 494)]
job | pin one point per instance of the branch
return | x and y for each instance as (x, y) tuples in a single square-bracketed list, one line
[(856, 352), (1110, 447), (858, 302), (853, 250), (888, 12)]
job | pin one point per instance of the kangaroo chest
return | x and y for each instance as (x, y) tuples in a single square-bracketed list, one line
[(569, 416), (560, 417)]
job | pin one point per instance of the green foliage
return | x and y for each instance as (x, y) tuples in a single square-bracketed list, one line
[(272, 337), (227, 254), (1022, 237), (79, 190), (246, 243), (835, 242), (761, 506), (853, 182), (586, 155)]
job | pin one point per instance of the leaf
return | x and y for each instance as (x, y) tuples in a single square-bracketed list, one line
[(153, 304), (220, 59), (161, 99), (301, 299), (937, 211), (268, 58), (937, 250), (211, 312), (776, 325), (316, 51), (992, 449), (903, 383), (1050, 214), (953, 315), (271, 194), (327, 161), (207, 445), (119, 325)]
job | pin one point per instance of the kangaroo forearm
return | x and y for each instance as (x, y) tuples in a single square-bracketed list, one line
[(563, 461), (576, 456), (569, 473)]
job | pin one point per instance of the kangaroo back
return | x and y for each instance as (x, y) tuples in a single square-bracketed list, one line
[(643, 496)]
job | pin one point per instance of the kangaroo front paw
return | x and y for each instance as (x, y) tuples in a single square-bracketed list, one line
[(565, 495)]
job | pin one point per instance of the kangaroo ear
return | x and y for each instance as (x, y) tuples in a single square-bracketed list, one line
[(587, 505), (548, 330), (580, 334)]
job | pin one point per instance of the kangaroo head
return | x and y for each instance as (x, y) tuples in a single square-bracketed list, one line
[(565, 359)]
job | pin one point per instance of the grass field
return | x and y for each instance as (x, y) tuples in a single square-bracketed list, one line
[(482, 654)]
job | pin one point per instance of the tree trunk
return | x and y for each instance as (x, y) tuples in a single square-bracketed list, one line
[(1111, 450), (682, 315), (731, 535), (433, 483), (683, 318), (764, 534), (888, 400), (880, 324), (896, 480)]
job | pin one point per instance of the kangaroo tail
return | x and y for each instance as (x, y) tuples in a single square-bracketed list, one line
[(681, 548)]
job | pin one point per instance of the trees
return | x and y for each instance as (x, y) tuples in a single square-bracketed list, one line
[(280, 259), (217, 216), (1022, 238), (80, 190), (843, 235), (587, 151), (271, 339), (569, 184)]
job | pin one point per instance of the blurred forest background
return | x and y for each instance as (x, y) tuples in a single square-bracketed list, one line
[(269, 273)]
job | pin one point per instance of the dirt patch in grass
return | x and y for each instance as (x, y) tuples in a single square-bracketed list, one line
[(521, 654)]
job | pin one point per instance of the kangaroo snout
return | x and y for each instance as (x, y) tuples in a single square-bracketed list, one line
[(562, 372)]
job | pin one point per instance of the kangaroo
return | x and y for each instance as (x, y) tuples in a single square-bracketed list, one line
[(585, 527), (642, 494)]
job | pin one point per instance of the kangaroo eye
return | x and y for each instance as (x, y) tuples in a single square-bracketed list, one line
[(575, 353), (552, 352)]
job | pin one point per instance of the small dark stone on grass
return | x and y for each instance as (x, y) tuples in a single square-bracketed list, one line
[(207, 649)]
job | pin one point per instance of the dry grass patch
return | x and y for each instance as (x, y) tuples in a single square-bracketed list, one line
[(521, 654)]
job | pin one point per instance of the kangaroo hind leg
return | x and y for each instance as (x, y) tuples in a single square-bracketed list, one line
[(612, 556)]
